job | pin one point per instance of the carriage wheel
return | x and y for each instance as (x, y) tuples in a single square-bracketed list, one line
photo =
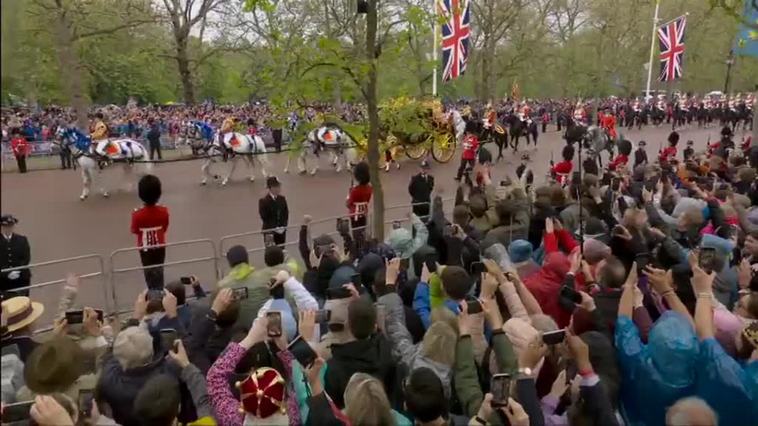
[(415, 151), (443, 148)]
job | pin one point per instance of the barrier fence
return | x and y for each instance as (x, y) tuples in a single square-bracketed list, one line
[(124, 267), (50, 284), (124, 296)]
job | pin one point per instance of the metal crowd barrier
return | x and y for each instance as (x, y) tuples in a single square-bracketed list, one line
[(209, 276), (111, 279), (51, 299)]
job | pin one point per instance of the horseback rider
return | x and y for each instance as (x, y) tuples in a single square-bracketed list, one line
[(227, 126), (99, 137)]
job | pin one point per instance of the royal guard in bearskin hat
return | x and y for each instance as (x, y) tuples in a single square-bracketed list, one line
[(561, 172), (625, 148), (669, 153)]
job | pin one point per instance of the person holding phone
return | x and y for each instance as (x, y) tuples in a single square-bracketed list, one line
[(282, 407)]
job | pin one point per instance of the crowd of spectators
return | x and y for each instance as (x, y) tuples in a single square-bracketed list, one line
[(627, 298)]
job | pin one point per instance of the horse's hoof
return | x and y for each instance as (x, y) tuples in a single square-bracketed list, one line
[(203, 182), (223, 183), (106, 195), (286, 171), (252, 179), (82, 197), (313, 173), (301, 172)]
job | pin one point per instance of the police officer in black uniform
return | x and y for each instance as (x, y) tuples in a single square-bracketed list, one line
[(274, 213), (420, 189), (14, 252)]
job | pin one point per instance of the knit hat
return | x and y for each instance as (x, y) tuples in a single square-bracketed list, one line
[(262, 393), (401, 241), (53, 366), (520, 251)]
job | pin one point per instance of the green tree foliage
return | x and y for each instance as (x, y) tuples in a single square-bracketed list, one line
[(298, 51)]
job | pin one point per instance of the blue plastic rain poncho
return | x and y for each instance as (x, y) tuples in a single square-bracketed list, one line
[(728, 387), (656, 375)]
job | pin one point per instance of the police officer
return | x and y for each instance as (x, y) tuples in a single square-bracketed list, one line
[(420, 189), (14, 252), (274, 213)]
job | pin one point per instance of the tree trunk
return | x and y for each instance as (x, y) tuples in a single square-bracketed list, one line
[(185, 74), (755, 120), (71, 70), (373, 121)]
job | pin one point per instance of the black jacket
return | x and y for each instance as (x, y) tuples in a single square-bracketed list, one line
[(274, 212), (640, 157), (371, 356), (154, 136), (118, 387), (420, 189), (14, 252)]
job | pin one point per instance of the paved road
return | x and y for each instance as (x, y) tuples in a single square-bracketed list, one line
[(59, 225)]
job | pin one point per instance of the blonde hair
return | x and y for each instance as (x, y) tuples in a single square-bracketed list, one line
[(438, 340), (366, 402)]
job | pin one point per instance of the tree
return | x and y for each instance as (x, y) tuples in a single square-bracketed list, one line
[(70, 21), (184, 15)]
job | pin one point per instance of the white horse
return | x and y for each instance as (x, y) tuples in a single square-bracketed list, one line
[(118, 152), (332, 139), (235, 146)]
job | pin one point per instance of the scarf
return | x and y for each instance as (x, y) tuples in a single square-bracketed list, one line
[(241, 271)]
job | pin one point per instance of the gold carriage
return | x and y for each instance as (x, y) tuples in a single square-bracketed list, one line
[(416, 127)]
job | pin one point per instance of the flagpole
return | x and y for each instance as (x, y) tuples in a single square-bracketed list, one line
[(434, 49), (652, 50)]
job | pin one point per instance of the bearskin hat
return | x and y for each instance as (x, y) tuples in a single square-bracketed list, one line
[(624, 146), (361, 173), (149, 189), (471, 127), (568, 152), (673, 138)]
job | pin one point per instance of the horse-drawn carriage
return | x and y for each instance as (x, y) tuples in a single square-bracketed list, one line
[(416, 128), (409, 127)]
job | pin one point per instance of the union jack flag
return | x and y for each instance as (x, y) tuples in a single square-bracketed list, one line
[(671, 41), (455, 36)]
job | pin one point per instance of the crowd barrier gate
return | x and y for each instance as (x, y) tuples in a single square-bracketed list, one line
[(51, 302), (210, 277)]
